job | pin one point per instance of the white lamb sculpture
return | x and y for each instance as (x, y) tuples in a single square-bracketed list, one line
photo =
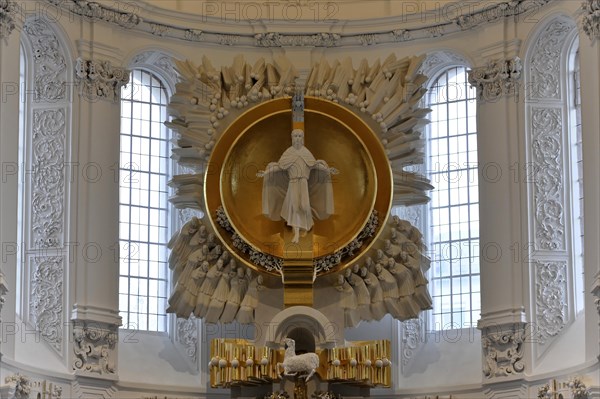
[(294, 364)]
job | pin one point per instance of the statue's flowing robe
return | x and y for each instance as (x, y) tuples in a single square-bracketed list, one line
[(297, 188)]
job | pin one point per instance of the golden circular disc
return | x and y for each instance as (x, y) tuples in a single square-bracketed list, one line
[(261, 135)]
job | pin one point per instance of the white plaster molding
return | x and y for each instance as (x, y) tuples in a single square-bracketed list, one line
[(547, 157), (48, 180), (549, 221), (215, 30), (95, 314), (501, 317), (498, 78), (94, 349), (274, 39), (299, 316), (89, 49), (503, 350), (3, 292), (100, 80), (99, 12), (506, 390), (50, 67), (545, 61), (8, 11), (19, 386), (46, 303), (551, 298), (46, 193), (158, 62), (193, 35), (159, 30), (590, 18), (187, 336), (412, 338), (93, 388), (439, 60)]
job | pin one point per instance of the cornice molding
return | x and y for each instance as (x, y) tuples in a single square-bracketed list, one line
[(313, 33)]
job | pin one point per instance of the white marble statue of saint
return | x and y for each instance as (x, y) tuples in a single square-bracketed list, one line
[(297, 187)]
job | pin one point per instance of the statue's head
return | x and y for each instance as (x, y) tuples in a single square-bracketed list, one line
[(297, 138)]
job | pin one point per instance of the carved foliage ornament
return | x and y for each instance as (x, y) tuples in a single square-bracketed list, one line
[(8, 9), (48, 177), (274, 39), (20, 386), (187, 335), (551, 298), (99, 79), (548, 184), (546, 60), (98, 12), (590, 19), (50, 67), (46, 307), (94, 347), (499, 77), (503, 351), (412, 338)]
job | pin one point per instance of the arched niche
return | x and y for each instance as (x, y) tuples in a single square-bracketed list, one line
[(307, 326)]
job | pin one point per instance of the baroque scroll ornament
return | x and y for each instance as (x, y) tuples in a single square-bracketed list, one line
[(503, 351), (94, 348), (50, 66), (48, 185), (551, 298), (545, 62), (549, 185), (46, 308)]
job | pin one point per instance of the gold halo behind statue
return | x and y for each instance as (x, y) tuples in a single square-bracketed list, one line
[(332, 133)]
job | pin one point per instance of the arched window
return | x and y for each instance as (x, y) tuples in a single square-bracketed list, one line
[(454, 208), (144, 170), (576, 157)]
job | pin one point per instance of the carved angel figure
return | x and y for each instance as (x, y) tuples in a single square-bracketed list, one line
[(297, 187)]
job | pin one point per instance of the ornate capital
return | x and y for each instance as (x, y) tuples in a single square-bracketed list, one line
[(497, 78), (8, 9), (590, 19), (503, 350), (94, 348), (99, 79)]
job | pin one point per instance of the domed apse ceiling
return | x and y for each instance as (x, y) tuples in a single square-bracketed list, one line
[(304, 23)]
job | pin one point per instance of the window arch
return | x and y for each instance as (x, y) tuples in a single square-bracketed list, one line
[(554, 223), (576, 164), (144, 170), (453, 228)]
